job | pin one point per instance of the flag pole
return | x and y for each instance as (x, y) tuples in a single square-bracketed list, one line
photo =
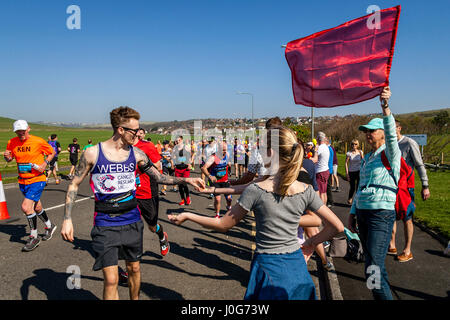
[(312, 111)]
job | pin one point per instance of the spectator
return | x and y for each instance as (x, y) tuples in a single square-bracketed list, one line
[(335, 181), (74, 149), (330, 201), (410, 152), (309, 150), (373, 209), (308, 175), (278, 269), (352, 165), (322, 169)]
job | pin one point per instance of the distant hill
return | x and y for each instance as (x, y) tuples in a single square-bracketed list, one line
[(6, 124), (426, 114)]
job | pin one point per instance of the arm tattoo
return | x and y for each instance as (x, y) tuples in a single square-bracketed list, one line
[(70, 200), (154, 174), (80, 172), (149, 168), (82, 165)]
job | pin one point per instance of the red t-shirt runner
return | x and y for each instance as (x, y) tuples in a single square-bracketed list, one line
[(144, 191)]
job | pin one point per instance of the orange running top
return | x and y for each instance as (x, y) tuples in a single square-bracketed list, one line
[(32, 150)]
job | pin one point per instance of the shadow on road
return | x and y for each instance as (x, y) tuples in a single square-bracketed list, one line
[(224, 248), (84, 245), (395, 289), (54, 285), (159, 293), (16, 231), (212, 261)]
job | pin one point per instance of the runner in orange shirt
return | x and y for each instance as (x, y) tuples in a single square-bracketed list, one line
[(30, 152)]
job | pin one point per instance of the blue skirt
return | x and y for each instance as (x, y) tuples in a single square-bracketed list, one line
[(280, 277)]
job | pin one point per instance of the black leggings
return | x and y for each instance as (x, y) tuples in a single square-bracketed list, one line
[(354, 182), (184, 191)]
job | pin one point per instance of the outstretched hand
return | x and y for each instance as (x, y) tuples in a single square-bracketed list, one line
[(307, 249), (197, 183), (178, 219)]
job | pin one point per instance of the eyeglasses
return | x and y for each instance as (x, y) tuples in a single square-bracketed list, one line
[(354, 144), (134, 131)]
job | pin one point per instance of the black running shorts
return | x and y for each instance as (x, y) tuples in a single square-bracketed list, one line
[(221, 185), (111, 244), (149, 210), (52, 163), (73, 159)]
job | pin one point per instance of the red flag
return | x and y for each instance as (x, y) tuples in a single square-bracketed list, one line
[(346, 64)]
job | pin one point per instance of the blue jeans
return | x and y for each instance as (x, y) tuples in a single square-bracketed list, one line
[(375, 231)]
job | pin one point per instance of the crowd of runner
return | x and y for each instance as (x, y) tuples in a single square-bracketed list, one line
[(285, 182)]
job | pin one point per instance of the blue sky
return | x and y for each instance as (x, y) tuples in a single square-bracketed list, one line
[(179, 60)]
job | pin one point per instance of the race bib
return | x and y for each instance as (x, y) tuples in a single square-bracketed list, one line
[(221, 173), (24, 167)]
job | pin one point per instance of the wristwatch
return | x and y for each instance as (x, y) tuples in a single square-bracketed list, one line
[(46, 161)]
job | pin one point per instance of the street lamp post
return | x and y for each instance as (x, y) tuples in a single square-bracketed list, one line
[(251, 94)]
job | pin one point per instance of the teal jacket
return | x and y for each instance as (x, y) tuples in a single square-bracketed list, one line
[(373, 172)]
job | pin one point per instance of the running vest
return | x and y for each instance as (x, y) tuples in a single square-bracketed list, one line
[(166, 156), (114, 187), (181, 157), (54, 146), (219, 169)]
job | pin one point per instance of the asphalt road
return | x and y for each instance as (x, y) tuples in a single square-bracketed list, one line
[(201, 264)]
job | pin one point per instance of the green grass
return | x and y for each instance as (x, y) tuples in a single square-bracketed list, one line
[(65, 137), (434, 212)]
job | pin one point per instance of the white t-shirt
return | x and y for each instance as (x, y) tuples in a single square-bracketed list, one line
[(354, 162), (210, 150), (324, 155)]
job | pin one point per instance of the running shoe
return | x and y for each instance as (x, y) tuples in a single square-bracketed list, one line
[(218, 215), (328, 266), (49, 232), (228, 208), (188, 201), (162, 192), (164, 244), (32, 243), (181, 203), (123, 276), (57, 181)]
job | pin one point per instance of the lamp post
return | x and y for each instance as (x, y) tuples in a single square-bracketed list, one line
[(251, 94)]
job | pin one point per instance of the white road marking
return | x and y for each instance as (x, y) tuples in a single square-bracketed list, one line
[(62, 205)]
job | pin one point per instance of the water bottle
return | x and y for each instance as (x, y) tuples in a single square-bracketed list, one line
[(35, 166)]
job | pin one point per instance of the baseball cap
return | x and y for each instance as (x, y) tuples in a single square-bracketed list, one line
[(374, 124), (20, 125), (310, 143)]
